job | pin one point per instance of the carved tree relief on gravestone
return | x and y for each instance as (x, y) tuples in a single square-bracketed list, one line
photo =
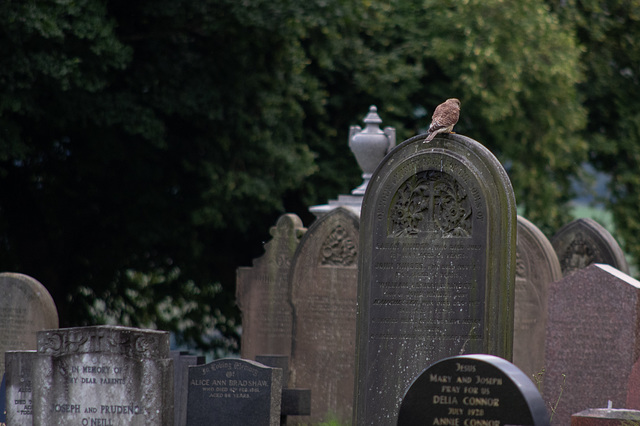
[(26, 307), (584, 241), (437, 261), (263, 293), (323, 292), (537, 266)]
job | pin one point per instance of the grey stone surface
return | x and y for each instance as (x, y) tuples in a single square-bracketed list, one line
[(369, 146), (262, 293), (181, 363), (606, 417), (102, 375), (584, 241), (437, 264), (19, 396), (473, 390), (234, 392), (593, 342), (537, 267), (324, 280), (26, 307)]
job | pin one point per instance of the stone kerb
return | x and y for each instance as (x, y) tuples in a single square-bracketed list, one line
[(437, 264)]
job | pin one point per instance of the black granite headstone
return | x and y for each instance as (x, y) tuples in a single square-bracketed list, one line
[(234, 392), (473, 390)]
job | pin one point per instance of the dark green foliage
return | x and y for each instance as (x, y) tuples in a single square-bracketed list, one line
[(609, 32), (146, 147)]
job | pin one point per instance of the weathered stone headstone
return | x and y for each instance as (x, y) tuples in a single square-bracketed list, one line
[(26, 307), (234, 392), (537, 266), (102, 375), (324, 282), (473, 390), (606, 417), (584, 241), (593, 342), (181, 362), (18, 387), (262, 293), (437, 263)]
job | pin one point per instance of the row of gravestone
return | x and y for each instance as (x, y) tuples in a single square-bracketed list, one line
[(439, 274), (435, 247), (109, 375)]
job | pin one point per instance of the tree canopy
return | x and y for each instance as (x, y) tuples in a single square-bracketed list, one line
[(147, 147)]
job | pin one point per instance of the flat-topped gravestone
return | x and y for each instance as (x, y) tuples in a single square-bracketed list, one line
[(593, 342), (537, 266), (473, 390), (26, 307), (324, 280), (102, 375), (437, 263), (606, 417), (263, 293), (19, 396), (234, 392), (584, 241)]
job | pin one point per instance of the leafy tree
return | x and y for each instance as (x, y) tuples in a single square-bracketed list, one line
[(609, 32), (146, 147)]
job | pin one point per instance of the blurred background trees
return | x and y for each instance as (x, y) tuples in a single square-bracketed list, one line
[(147, 147)]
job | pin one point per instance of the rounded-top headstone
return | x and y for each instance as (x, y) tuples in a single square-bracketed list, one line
[(473, 390), (26, 307), (583, 242)]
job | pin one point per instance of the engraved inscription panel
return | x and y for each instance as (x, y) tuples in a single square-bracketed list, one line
[(103, 376), (234, 392)]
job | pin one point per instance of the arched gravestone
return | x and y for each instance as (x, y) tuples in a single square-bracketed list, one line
[(26, 307), (324, 280), (262, 293), (473, 390), (584, 241), (536, 267), (437, 264)]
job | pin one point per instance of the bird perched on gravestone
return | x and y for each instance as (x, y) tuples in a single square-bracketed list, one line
[(444, 118)]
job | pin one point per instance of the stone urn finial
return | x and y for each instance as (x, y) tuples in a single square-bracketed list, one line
[(370, 145)]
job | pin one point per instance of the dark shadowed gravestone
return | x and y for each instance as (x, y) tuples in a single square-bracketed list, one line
[(26, 307), (584, 241), (324, 282), (437, 263), (19, 389), (593, 342), (537, 266), (234, 392), (473, 390), (181, 362), (102, 375), (263, 293)]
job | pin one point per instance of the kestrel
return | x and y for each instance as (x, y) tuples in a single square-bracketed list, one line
[(444, 118)]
